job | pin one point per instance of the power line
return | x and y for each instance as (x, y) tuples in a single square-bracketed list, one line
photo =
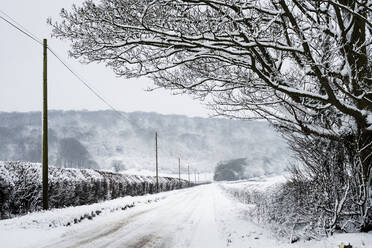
[(87, 85), (34, 38), (23, 27), (19, 29)]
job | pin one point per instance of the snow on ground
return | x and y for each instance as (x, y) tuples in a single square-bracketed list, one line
[(37, 227), (200, 178), (265, 184), (66, 216), (198, 217), (257, 183)]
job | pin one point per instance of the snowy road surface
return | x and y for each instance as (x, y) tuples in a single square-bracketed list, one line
[(192, 218), (201, 216), (198, 217)]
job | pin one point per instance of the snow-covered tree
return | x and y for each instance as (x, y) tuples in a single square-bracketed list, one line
[(303, 65), (71, 153)]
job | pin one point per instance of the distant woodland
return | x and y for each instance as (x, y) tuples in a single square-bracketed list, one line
[(99, 139)]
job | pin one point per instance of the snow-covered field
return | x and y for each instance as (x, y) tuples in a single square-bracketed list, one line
[(194, 177), (256, 183), (202, 216)]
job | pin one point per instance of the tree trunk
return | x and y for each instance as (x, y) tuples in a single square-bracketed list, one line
[(364, 155)]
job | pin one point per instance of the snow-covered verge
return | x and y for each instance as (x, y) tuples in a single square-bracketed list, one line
[(76, 214), (20, 187), (272, 204)]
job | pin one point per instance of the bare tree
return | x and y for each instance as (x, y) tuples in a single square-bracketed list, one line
[(73, 154), (329, 172), (303, 65)]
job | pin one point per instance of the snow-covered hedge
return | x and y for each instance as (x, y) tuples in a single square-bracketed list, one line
[(278, 206), (20, 187), (291, 209)]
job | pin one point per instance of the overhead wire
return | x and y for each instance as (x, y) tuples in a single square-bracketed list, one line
[(87, 85), (23, 30), (18, 28)]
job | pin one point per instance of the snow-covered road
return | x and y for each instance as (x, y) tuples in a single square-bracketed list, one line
[(195, 217), (199, 217)]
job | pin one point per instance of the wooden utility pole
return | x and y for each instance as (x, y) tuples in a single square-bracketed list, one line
[(45, 127), (195, 176), (179, 170), (188, 173), (156, 161)]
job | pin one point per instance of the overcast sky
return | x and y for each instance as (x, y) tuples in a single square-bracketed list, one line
[(21, 71)]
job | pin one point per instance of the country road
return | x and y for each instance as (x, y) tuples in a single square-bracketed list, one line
[(202, 216), (198, 217)]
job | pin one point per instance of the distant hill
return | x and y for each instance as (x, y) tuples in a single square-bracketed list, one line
[(99, 139)]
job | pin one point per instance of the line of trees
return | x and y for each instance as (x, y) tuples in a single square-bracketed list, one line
[(305, 66)]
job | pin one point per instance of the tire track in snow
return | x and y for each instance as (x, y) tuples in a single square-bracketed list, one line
[(122, 223), (168, 216), (135, 223)]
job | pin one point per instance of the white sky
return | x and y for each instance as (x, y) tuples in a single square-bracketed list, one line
[(21, 71)]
